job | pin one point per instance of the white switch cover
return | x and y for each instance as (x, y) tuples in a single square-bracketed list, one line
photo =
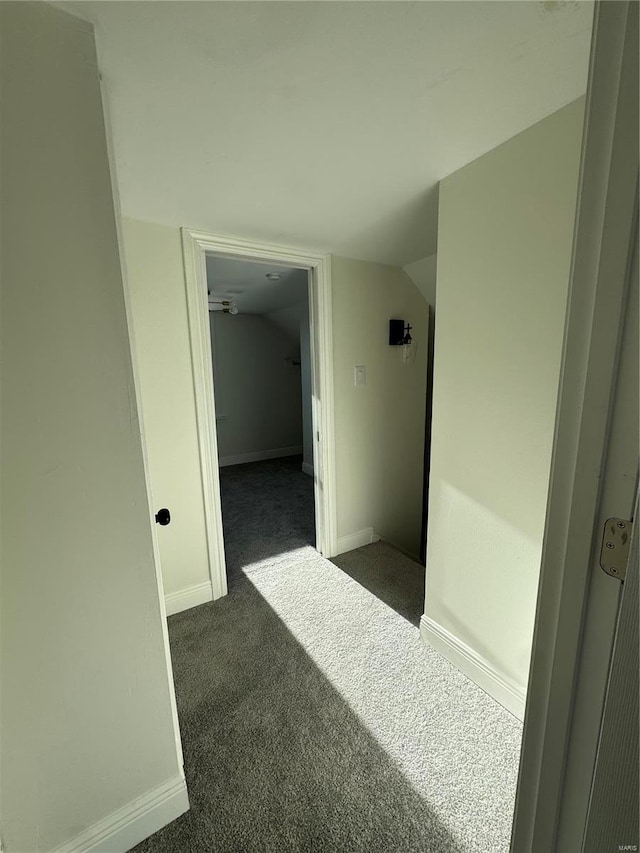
[(359, 375)]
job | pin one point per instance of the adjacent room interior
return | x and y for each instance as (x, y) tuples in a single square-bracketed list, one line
[(260, 347)]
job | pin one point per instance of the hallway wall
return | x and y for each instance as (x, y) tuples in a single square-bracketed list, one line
[(423, 274), (504, 252), (90, 740), (307, 408), (379, 427), (296, 319), (258, 389)]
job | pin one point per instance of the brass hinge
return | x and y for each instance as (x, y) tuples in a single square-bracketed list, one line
[(616, 540)]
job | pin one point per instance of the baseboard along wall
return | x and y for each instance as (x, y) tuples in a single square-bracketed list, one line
[(510, 695), (259, 455), (192, 596), (128, 826), (356, 540), (307, 468)]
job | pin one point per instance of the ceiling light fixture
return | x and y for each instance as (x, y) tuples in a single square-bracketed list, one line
[(228, 306)]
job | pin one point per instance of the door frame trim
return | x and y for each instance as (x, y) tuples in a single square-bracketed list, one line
[(133, 348), (602, 235), (195, 246)]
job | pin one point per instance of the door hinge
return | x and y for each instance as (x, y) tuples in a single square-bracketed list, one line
[(616, 539)]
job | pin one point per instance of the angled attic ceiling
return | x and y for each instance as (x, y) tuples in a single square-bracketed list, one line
[(324, 125)]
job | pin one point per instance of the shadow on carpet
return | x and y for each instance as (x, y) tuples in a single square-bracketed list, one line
[(313, 717), (395, 579), (275, 759)]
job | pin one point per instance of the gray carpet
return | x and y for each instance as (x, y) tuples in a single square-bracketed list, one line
[(313, 718), (267, 509), (390, 576)]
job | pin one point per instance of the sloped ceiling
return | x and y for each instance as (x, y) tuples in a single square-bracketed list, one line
[(323, 125)]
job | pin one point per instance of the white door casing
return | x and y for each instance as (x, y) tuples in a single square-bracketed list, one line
[(564, 712), (605, 594), (613, 822), (195, 245)]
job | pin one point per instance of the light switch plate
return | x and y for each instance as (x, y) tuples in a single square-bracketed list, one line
[(359, 375)]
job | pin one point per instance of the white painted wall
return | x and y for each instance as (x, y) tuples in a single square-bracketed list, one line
[(288, 318), (88, 724), (307, 409), (156, 282), (257, 386), (379, 427), (504, 247), (423, 274), (295, 320)]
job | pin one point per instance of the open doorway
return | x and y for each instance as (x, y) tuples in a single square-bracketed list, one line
[(261, 360), (206, 255)]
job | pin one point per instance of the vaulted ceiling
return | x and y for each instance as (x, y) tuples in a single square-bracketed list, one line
[(323, 125)]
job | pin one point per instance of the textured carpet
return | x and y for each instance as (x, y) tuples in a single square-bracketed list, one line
[(267, 509), (313, 718), (390, 576)]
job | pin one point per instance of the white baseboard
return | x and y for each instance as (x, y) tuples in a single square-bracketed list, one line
[(474, 666), (128, 826), (259, 455), (307, 468), (357, 540), (184, 599)]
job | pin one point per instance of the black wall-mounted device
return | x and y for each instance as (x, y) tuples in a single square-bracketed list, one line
[(396, 332)]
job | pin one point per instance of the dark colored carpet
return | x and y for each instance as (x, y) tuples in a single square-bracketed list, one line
[(312, 716), (267, 509)]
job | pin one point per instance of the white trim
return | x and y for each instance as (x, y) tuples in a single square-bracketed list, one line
[(505, 691), (324, 463), (259, 456), (195, 244), (307, 469), (202, 368), (356, 540), (157, 565), (131, 824), (185, 599), (604, 223)]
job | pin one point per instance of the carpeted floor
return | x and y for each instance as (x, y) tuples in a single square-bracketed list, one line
[(389, 576), (313, 717), (267, 510)]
